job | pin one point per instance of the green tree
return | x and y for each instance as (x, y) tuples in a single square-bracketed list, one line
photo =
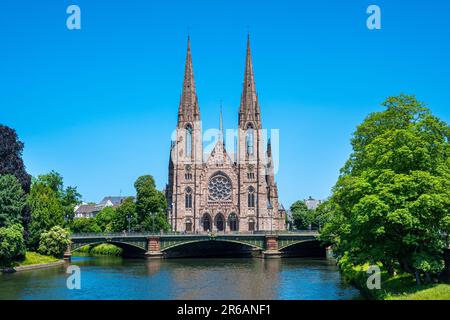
[(11, 162), (12, 200), (126, 216), (302, 217), (392, 199), (47, 211), (105, 218), (69, 196), (85, 225), (12, 245), (151, 205), (54, 242)]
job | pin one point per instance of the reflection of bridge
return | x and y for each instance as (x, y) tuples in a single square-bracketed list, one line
[(160, 245)]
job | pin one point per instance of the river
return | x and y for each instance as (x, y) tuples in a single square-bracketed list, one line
[(218, 278)]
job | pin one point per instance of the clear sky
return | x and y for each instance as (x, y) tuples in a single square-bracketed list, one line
[(99, 104)]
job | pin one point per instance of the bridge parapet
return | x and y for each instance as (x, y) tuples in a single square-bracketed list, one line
[(155, 245)]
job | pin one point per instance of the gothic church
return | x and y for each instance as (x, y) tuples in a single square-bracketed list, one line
[(220, 192)]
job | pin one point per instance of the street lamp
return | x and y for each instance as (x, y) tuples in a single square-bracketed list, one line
[(129, 223), (153, 221), (270, 211)]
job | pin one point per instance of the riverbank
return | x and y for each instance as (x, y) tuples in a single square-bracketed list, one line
[(33, 260), (399, 287)]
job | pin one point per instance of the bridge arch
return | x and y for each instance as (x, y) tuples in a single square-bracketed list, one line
[(210, 248), (303, 248), (186, 243), (129, 249)]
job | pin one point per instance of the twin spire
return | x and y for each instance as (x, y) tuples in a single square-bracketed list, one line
[(188, 109), (249, 107)]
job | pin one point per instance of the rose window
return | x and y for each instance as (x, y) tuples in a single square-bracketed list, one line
[(219, 188)]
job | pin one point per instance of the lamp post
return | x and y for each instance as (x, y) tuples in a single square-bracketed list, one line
[(129, 222), (153, 221), (270, 211), (171, 215)]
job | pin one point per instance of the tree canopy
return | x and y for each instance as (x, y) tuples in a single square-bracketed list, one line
[(151, 205), (391, 202), (12, 201), (11, 162)]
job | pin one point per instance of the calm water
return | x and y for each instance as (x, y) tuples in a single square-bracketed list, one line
[(233, 278)]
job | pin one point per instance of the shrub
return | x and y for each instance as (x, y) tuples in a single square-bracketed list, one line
[(54, 242), (12, 244)]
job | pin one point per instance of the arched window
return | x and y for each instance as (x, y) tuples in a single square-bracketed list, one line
[(250, 139), (220, 222), (232, 221), (188, 140), (251, 197), (251, 225), (188, 225), (206, 222), (188, 197)]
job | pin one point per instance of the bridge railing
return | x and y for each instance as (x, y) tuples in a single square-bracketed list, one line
[(172, 233)]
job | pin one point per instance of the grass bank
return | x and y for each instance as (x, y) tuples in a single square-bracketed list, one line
[(103, 249), (32, 258), (399, 287)]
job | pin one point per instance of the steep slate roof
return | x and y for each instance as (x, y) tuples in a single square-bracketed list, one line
[(115, 200), (87, 208)]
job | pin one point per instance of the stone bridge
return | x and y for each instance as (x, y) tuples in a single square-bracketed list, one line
[(269, 245)]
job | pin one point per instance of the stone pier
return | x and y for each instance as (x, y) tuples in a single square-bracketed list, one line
[(68, 252), (271, 247), (154, 248)]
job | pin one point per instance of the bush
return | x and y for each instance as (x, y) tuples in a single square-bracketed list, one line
[(12, 245), (54, 242), (106, 249)]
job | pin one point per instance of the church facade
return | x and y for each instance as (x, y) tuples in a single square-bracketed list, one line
[(220, 192)]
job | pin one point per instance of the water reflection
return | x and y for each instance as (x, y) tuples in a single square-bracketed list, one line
[(219, 278)]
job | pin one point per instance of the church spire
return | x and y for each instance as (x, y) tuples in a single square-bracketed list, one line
[(221, 133), (188, 109), (249, 109)]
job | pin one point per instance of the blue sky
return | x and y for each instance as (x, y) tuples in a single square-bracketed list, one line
[(99, 104)]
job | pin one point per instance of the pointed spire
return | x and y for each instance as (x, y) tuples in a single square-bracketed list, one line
[(249, 109), (221, 133), (188, 109)]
